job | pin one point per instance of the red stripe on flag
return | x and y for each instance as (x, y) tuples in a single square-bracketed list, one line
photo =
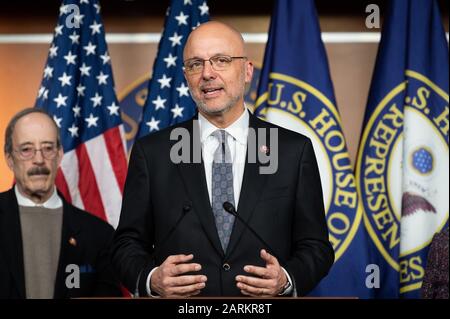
[(116, 153), (61, 185), (87, 184)]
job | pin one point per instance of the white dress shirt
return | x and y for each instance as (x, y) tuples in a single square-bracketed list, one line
[(52, 203)]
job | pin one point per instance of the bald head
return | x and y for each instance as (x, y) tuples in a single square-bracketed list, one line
[(214, 36), (217, 87)]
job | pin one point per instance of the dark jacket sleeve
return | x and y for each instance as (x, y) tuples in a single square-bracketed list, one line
[(133, 240), (107, 284), (313, 254)]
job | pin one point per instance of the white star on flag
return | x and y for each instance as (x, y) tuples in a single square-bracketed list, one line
[(170, 60), (41, 91), (113, 109), (95, 27), (105, 57), (175, 39), (80, 89), (177, 111), (58, 30), (204, 9), (165, 81), (76, 111), (78, 18), (74, 37), (53, 51), (102, 78), (65, 79), (97, 99), (57, 120), (62, 9), (183, 90), (91, 120), (182, 18), (159, 103), (70, 58), (60, 100), (84, 69), (97, 8), (73, 130), (48, 72), (90, 48), (153, 124)]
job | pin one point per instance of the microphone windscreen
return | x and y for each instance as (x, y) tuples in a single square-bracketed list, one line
[(229, 208)]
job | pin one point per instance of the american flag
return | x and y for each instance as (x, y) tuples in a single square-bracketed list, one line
[(168, 100), (77, 90)]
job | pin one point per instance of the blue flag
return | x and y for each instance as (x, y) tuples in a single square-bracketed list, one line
[(403, 161), (168, 99), (296, 92), (77, 90)]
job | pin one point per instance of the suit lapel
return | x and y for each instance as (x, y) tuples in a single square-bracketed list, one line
[(11, 240), (194, 179), (253, 183), (69, 251)]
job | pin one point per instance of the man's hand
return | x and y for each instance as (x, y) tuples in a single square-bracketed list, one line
[(266, 281), (168, 279)]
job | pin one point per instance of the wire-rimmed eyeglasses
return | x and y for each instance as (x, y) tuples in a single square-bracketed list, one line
[(28, 152), (218, 63)]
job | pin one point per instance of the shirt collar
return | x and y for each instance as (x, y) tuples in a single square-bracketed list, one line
[(52, 203), (238, 129)]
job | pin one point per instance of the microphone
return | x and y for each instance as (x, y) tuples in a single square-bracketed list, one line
[(185, 210), (230, 209), (187, 207)]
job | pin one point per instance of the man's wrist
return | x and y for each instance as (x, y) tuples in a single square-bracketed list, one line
[(288, 287), (285, 288), (148, 284)]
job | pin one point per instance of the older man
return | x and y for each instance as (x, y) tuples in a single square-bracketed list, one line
[(48, 248), (174, 237)]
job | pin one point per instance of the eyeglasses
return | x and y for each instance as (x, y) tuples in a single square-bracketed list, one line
[(218, 63), (28, 152)]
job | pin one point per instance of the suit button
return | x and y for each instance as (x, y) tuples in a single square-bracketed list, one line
[(226, 267)]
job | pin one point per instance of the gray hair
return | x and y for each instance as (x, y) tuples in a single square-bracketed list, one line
[(12, 124)]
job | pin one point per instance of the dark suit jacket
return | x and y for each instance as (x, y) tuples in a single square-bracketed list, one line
[(285, 208), (91, 253)]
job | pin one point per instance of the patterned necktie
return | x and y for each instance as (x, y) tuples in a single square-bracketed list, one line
[(222, 188)]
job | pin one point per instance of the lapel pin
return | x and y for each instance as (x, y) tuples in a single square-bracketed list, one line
[(264, 149), (73, 241)]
